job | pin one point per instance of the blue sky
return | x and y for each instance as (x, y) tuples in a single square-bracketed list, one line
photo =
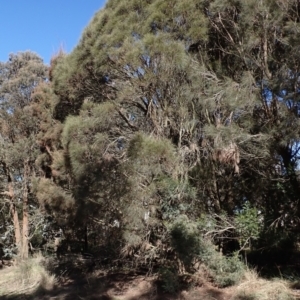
[(43, 26)]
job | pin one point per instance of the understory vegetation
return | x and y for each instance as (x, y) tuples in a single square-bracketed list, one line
[(167, 141)]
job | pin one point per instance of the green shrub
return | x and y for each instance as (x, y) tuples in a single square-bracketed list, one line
[(185, 240), (225, 271), (190, 246), (169, 279), (247, 224)]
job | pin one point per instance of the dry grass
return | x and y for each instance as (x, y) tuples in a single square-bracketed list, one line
[(31, 278), (26, 277), (255, 288)]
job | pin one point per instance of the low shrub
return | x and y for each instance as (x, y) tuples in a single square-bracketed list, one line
[(169, 279), (190, 246), (225, 271)]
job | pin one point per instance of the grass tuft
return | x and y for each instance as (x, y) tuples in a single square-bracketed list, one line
[(26, 276), (255, 288)]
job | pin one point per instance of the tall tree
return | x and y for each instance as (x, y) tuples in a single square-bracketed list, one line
[(213, 85), (257, 38), (18, 78)]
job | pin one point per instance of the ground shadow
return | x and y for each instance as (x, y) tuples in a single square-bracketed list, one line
[(84, 279), (275, 264)]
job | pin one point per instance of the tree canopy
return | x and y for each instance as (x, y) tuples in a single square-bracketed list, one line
[(165, 111)]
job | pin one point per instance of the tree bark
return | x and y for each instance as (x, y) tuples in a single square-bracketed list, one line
[(16, 223), (12, 206), (25, 232)]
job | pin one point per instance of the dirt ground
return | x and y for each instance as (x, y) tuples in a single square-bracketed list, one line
[(128, 287), (77, 279), (73, 283)]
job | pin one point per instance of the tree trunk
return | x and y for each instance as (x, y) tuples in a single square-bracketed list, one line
[(13, 210), (16, 223), (25, 232)]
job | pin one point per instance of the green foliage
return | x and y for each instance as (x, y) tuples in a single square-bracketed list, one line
[(189, 245), (185, 240), (277, 241), (86, 137), (18, 129), (225, 271), (176, 197), (51, 196), (19, 76), (164, 112), (169, 279), (157, 155), (248, 224)]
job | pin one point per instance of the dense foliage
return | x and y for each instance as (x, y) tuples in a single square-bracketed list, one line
[(169, 124)]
